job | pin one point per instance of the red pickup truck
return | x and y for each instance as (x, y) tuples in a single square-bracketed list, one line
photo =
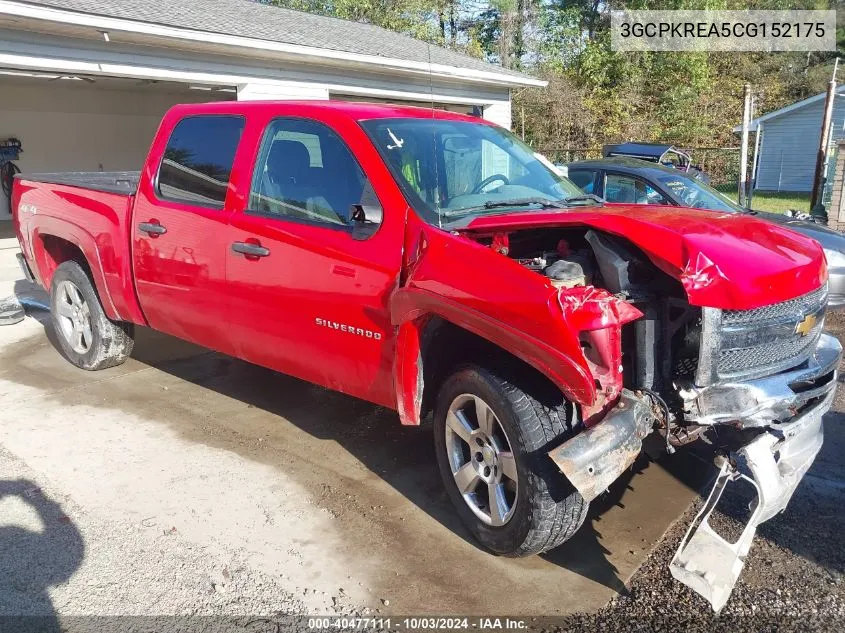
[(432, 263)]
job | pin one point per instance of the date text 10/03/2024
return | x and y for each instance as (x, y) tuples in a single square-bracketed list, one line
[(416, 624)]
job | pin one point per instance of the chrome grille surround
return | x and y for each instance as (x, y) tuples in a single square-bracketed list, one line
[(746, 344)]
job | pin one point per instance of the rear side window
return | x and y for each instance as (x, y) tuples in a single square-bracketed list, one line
[(198, 160)]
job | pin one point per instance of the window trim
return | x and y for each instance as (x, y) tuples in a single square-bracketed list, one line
[(216, 206), (342, 228)]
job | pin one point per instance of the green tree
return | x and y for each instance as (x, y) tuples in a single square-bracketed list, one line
[(595, 94)]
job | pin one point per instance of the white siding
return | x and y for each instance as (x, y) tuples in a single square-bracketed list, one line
[(259, 92), (499, 113), (790, 144)]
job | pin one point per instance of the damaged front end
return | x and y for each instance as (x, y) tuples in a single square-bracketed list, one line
[(764, 379), (594, 459), (752, 379)]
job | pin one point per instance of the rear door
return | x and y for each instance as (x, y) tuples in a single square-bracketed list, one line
[(309, 296), (180, 220)]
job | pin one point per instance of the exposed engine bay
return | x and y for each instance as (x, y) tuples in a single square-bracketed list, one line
[(753, 384), (657, 350)]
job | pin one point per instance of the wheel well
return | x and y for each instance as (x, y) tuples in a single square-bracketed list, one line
[(57, 251), (445, 346)]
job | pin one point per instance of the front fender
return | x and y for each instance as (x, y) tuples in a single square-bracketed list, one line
[(410, 308)]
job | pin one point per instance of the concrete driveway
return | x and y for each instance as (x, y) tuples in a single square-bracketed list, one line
[(188, 482)]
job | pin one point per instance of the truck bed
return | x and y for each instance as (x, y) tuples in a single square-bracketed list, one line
[(119, 182)]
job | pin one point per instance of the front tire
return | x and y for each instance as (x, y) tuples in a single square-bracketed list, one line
[(491, 439), (86, 336)]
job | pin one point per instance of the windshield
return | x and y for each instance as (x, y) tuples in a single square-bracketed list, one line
[(694, 193), (451, 169)]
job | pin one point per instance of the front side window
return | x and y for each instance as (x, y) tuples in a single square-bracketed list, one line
[(198, 159), (625, 189), (450, 168), (306, 173)]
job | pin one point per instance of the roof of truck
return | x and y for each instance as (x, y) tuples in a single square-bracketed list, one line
[(354, 110)]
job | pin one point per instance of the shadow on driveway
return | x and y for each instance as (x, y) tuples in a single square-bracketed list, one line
[(32, 561)]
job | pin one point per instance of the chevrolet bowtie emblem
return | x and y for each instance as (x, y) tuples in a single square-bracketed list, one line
[(806, 326)]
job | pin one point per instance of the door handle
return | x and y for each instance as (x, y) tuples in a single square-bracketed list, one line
[(250, 250), (153, 229)]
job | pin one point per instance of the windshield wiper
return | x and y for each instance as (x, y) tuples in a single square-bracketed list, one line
[(544, 203), (587, 197)]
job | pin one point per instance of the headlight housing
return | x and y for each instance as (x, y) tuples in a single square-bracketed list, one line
[(835, 259)]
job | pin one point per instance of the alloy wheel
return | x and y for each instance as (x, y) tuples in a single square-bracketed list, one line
[(74, 317), (481, 459)]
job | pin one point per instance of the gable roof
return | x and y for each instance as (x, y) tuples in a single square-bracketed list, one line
[(253, 21), (787, 109)]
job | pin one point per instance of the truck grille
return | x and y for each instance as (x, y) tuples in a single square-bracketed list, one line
[(737, 361), (744, 344), (794, 308)]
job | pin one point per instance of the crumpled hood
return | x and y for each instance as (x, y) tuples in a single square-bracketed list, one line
[(730, 261)]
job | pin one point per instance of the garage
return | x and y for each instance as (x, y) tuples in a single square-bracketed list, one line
[(83, 83), (70, 123)]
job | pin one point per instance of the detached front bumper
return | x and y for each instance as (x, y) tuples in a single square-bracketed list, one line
[(785, 408), (788, 409), (773, 463)]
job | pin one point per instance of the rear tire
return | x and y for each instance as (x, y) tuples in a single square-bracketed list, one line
[(536, 509), (86, 336)]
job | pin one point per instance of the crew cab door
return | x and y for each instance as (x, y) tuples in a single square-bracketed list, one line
[(179, 231), (309, 293)]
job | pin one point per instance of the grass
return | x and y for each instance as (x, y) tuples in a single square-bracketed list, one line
[(774, 202)]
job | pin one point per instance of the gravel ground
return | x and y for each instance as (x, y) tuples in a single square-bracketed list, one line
[(793, 576)]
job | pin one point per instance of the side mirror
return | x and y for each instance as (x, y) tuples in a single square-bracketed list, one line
[(366, 219)]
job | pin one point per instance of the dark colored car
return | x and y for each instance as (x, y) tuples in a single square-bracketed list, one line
[(633, 181), (659, 153)]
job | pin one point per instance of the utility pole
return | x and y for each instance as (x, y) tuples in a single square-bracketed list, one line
[(754, 156), (824, 142), (743, 151)]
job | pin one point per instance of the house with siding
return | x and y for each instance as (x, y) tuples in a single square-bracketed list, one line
[(788, 143)]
